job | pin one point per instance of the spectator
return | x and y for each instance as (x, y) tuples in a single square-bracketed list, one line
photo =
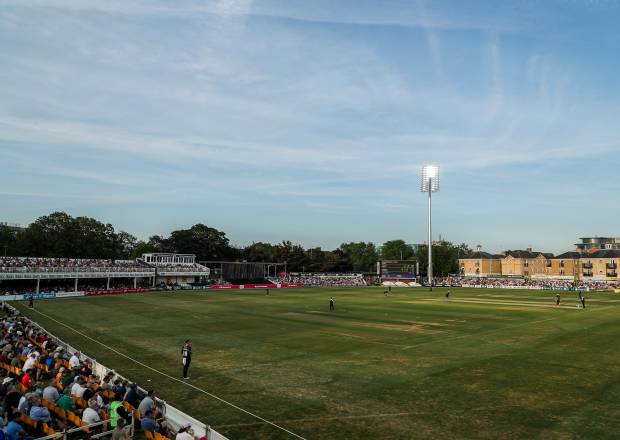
[(120, 431), (74, 361), (148, 403), (14, 430), (78, 387), (132, 396), (148, 422), (39, 412), (65, 401), (30, 362), (90, 414), (27, 379), (50, 393), (185, 432)]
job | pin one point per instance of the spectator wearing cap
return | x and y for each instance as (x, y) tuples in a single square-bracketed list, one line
[(30, 362), (27, 350), (185, 432)]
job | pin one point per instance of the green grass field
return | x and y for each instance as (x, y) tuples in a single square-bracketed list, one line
[(487, 364)]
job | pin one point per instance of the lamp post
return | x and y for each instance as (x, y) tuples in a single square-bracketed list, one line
[(430, 184)]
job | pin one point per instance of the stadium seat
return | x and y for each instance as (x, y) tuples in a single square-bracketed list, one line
[(34, 424), (47, 430)]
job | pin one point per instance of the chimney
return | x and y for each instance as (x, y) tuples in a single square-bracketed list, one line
[(478, 248), (529, 249)]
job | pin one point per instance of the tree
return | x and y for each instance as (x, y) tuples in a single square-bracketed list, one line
[(397, 250), (259, 252), (126, 244), (361, 256), (8, 241), (445, 258), (142, 247), (205, 242)]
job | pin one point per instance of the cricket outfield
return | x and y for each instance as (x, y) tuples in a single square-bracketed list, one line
[(485, 364)]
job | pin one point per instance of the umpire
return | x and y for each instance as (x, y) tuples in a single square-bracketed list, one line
[(186, 352)]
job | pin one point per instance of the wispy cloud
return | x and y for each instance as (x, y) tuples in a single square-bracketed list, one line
[(304, 107)]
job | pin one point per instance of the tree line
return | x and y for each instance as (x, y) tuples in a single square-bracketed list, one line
[(59, 235)]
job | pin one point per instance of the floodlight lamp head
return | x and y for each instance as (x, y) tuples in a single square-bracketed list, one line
[(430, 178)]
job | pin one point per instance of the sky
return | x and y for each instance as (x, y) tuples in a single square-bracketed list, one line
[(310, 121)]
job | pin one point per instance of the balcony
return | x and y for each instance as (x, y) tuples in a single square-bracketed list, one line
[(613, 265), (587, 265), (587, 273), (613, 274)]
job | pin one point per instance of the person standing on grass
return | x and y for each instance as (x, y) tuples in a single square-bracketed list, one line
[(582, 298), (31, 302), (331, 304), (186, 352), (448, 294), (557, 299)]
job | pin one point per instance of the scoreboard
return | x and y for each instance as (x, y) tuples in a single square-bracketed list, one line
[(394, 267)]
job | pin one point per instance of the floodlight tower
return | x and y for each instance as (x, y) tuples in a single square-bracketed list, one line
[(430, 184)]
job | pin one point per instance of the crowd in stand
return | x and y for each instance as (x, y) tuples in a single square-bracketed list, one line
[(525, 283), (28, 264), (45, 389), (24, 288), (179, 267), (327, 280)]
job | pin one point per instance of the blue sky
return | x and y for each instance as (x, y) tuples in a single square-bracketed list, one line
[(310, 120)]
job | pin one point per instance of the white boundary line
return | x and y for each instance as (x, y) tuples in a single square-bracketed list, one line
[(171, 377)]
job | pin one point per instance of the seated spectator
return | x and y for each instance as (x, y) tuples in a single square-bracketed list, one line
[(50, 392), (39, 412), (14, 429), (90, 414), (106, 382), (27, 378), (147, 404), (77, 384), (26, 402), (185, 432), (30, 362), (148, 422), (12, 399), (118, 411), (120, 431), (68, 379), (74, 361), (132, 396), (65, 401)]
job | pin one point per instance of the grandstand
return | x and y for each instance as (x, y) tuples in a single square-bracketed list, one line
[(175, 269), (37, 275)]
